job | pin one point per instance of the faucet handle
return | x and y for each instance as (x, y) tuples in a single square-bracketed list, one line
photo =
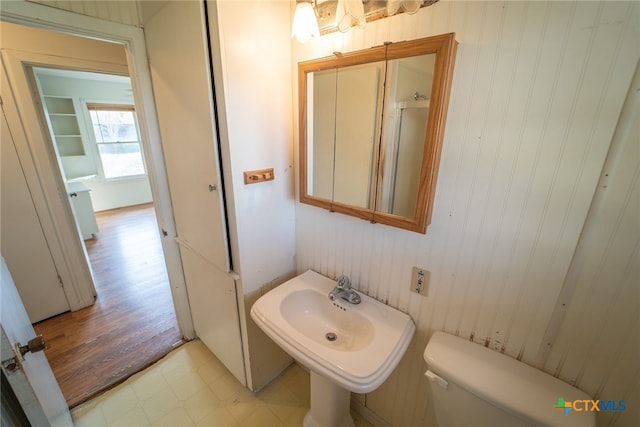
[(344, 282)]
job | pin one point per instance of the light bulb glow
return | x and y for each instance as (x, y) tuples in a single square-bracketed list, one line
[(305, 23)]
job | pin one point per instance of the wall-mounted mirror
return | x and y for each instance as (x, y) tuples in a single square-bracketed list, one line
[(371, 129)]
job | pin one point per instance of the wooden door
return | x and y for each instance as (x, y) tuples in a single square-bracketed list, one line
[(23, 242), (32, 380)]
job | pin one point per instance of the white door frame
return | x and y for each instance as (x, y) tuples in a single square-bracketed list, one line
[(19, 187), (43, 175), (132, 39)]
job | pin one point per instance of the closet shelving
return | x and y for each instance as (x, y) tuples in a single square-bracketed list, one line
[(64, 123)]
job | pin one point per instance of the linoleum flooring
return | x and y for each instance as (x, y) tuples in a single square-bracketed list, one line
[(190, 387)]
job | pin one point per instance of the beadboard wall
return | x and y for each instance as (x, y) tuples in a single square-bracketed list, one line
[(597, 345), (538, 88), (122, 11), (537, 92)]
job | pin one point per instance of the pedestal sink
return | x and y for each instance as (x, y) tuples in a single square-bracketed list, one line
[(347, 347)]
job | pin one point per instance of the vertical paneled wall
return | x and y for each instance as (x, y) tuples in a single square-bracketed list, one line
[(122, 11), (598, 345), (538, 88)]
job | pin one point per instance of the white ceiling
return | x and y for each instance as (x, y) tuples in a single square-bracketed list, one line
[(148, 8), (74, 74)]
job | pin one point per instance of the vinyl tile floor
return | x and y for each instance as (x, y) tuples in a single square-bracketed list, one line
[(190, 387)]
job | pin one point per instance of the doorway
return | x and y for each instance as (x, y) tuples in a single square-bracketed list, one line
[(124, 347), (132, 323), (94, 134)]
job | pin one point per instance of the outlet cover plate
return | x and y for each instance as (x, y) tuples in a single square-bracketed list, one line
[(420, 278)]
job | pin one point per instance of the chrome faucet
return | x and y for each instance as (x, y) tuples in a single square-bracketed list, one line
[(343, 290)]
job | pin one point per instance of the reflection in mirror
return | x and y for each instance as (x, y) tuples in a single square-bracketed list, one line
[(343, 128), (371, 130), (321, 122), (407, 98)]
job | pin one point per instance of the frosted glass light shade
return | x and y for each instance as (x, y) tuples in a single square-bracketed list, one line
[(305, 23)]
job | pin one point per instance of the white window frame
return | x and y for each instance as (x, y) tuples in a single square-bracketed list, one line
[(99, 106)]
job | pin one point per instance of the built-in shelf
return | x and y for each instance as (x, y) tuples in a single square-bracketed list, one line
[(64, 122), (58, 105)]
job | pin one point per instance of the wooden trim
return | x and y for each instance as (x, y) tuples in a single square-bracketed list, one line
[(340, 60), (94, 106), (445, 67), (358, 212), (302, 129), (258, 175)]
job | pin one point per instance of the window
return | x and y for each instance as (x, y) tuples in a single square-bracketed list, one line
[(117, 138)]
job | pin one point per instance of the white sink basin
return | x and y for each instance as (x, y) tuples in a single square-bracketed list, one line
[(370, 337), (308, 312)]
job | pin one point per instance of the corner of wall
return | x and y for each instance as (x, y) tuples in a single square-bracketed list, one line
[(267, 359)]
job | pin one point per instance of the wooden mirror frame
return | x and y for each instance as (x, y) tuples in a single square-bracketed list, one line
[(444, 47)]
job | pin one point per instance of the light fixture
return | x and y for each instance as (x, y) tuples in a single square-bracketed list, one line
[(305, 22), (341, 15), (350, 13)]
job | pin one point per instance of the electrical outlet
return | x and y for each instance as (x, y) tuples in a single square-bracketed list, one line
[(420, 280)]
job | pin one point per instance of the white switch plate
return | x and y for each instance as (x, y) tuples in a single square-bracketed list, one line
[(420, 280)]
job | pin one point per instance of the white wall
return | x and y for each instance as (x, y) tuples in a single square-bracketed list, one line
[(257, 133), (105, 194), (131, 61), (27, 39), (597, 345), (250, 43), (254, 105), (537, 91), (24, 44)]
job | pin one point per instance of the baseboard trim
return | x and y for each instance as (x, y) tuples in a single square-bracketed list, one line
[(367, 413)]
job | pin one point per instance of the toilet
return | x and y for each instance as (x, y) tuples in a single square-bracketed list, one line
[(472, 385)]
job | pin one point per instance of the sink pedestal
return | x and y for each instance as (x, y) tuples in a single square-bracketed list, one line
[(330, 404)]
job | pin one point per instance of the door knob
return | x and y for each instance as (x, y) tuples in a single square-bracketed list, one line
[(34, 345)]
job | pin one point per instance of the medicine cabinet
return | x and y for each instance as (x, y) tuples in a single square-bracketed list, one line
[(371, 129)]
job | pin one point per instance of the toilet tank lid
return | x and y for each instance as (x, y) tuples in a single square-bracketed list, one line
[(505, 382)]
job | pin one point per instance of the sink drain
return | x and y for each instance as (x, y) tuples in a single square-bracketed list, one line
[(331, 336)]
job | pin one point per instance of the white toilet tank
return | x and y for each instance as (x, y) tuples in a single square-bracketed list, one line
[(472, 385)]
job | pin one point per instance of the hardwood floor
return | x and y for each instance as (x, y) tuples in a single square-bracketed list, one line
[(131, 325)]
